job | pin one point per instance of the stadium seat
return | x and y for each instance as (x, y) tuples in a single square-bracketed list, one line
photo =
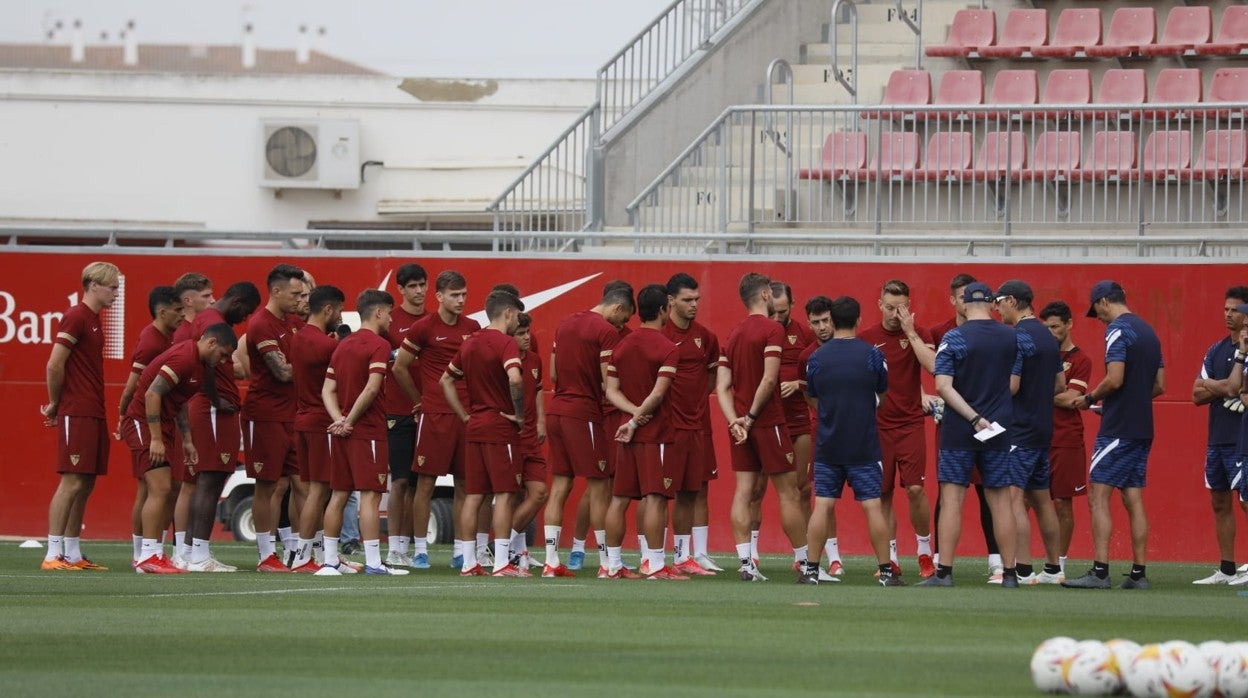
[(1014, 88), (1223, 155), (910, 88), (1167, 155), (1228, 85), (897, 157), (1078, 29), (1056, 156), (1003, 155), (1121, 86), (1024, 31), (844, 157), (1187, 28), (948, 157), (1067, 87), (1129, 29), (1175, 86), (1113, 158), (958, 88), (970, 30), (1232, 33)]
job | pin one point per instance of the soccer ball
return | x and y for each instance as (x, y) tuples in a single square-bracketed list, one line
[(1094, 671), (1143, 676), (1051, 663), (1229, 661), (1185, 671), (1124, 653)]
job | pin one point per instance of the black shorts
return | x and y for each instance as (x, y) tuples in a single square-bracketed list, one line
[(401, 439)]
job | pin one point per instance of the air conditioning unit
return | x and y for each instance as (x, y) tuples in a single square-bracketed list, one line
[(310, 154)]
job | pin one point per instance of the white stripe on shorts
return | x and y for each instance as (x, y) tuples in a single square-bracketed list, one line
[(212, 421), (65, 429), (1096, 457), (138, 431)]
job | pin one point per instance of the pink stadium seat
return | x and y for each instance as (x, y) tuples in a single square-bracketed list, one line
[(1067, 87), (948, 156), (1187, 28), (844, 157), (1228, 85), (1015, 88), (1003, 155), (1232, 33), (910, 88), (1056, 156), (1078, 29), (959, 88), (1175, 86), (1167, 155), (970, 30), (1024, 31), (1130, 29), (897, 158), (1223, 155), (1113, 158), (1119, 86)]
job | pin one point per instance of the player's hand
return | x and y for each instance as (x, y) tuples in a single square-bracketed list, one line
[(189, 455), (416, 410), (643, 419), (907, 320), (541, 431), (981, 424), (929, 403), (1234, 404), (625, 433), (738, 431), (787, 388), (117, 431), (49, 414), (511, 418), (156, 452)]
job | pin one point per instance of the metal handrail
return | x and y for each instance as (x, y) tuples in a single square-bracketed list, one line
[(679, 159), (835, 71), (916, 26), (537, 161), (780, 141)]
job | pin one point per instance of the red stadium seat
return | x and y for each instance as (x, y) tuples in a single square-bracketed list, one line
[(1067, 87), (897, 158), (1014, 88), (1167, 155), (910, 88), (844, 157), (1119, 86), (1002, 156), (970, 30), (1024, 31), (1130, 29), (1223, 155), (1113, 158), (1232, 33), (1228, 85), (1056, 156), (1078, 29), (1187, 29), (960, 88), (948, 157), (1175, 86)]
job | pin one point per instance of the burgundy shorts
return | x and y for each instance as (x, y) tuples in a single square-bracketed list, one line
[(534, 467), (611, 423), (82, 445), (796, 415), (710, 465), (440, 445), (769, 450), (359, 464), (312, 453), (137, 438), (578, 448), (493, 468), (689, 460), (217, 438), (904, 453), (270, 449), (646, 468), (1068, 472), (177, 465)]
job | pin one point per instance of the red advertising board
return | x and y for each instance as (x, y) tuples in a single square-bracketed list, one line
[(1183, 303)]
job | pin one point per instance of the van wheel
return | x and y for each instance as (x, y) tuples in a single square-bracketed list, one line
[(242, 524), (441, 523)]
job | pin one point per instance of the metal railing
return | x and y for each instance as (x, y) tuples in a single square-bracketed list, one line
[(915, 25), (849, 83), (1103, 169)]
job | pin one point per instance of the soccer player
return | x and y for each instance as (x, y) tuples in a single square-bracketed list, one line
[(909, 351), (310, 352), (1031, 432), (413, 283), (76, 409), (1067, 455), (434, 340), (215, 427), (976, 366), (157, 409), (1134, 376), (165, 308), (748, 389), (697, 362), (489, 364), (583, 345), (268, 414), (819, 315), (195, 291), (1222, 467), (846, 379), (535, 472), (358, 460)]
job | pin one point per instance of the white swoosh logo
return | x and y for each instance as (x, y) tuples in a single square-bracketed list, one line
[(1081, 488), (880, 345), (438, 339), (534, 301)]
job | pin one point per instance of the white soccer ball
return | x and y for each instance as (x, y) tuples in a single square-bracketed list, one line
[(1230, 661), (1143, 676), (1186, 672), (1051, 663), (1124, 653), (1094, 671)]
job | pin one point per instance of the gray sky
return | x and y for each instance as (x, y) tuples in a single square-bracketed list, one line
[(421, 38)]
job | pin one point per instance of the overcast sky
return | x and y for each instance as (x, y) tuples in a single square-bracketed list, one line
[(416, 38)]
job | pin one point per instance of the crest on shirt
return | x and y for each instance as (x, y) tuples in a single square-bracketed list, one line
[(697, 342), (381, 478), (258, 465), (74, 458), (792, 339), (602, 466), (667, 483), (420, 461), (535, 371), (789, 457), (464, 336), (390, 423), (225, 458), (1065, 366), (905, 344)]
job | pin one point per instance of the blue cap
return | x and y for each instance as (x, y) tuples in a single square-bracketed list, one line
[(1099, 291), (1242, 308), (977, 292)]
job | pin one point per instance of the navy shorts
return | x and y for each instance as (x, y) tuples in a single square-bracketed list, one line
[(866, 479), (1222, 469), (1119, 463), (1031, 467), (955, 466)]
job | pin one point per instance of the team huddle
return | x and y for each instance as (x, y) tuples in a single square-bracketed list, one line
[(412, 395)]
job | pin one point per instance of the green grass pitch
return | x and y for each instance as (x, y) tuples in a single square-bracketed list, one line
[(120, 634)]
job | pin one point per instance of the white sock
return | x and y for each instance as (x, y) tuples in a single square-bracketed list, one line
[(287, 537), (56, 547), (184, 548), (372, 552), (578, 544), (924, 544), (892, 550), (615, 559), (936, 559), (264, 545), (403, 544), (801, 554), (600, 539), (483, 541), (700, 534), (73, 552), (148, 548), (394, 543), (743, 553), (318, 550), (994, 560), (200, 551), (754, 545), (656, 558), (331, 550), (303, 552), (420, 546), (137, 541), (519, 545), (179, 539), (832, 549), (1061, 562), (642, 543), (164, 536), (681, 549), (552, 544), (502, 553), (469, 549)]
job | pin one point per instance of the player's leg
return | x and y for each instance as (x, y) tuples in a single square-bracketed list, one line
[(877, 530), (756, 515), (598, 492), (740, 513), (952, 496), (481, 531), (310, 522), (891, 444), (73, 523), (910, 453), (1040, 501), (654, 523), (201, 519), (682, 531), (792, 517), (136, 519), (155, 510), (1102, 521), (802, 449), (1002, 488), (333, 529), (828, 483), (181, 519), (422, 500), (1065, 510), (504, 512), (400, 436), (552, 516), (264, 515), (995, 564), (1133, 500), (617, 522)]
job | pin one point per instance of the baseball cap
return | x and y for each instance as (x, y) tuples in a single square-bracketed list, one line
[(1242, 308), (1099, 291), (1018, 289), (977, 293)]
